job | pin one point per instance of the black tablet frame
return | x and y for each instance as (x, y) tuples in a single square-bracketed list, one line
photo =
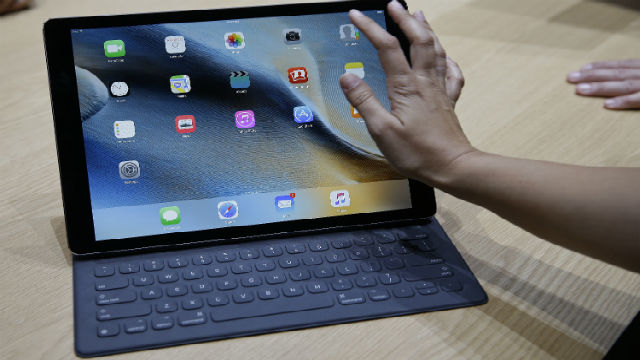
[(70, 144)]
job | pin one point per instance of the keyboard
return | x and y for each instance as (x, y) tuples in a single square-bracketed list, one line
[(158, 299)]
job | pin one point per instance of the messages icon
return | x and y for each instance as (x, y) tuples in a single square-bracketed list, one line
[(114, 48), (170, 215)]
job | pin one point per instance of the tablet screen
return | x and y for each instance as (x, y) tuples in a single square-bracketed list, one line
[(205, 125)]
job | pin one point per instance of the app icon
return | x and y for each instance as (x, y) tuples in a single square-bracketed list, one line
[(185, 124), (356, 68), (355, 113), (129, 169), (245, 119), (227, 210), (348, 32), (298, 75), (292, 36), (180, 84), (119, 89), (302, 114), (114, 48), (239, 80), (170, 215), (174, 44), (340, 198), (234, 40), (285, 203), (124, 129)]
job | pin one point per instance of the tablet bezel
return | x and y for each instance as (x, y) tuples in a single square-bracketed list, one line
[(70, 141)]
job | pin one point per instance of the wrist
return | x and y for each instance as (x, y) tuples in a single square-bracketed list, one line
[(457, 171)]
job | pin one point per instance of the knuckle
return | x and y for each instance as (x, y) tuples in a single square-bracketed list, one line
[(390, 43), (360, 96), (425, 39)]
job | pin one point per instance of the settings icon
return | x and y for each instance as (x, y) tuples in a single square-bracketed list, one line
[(129, 169)]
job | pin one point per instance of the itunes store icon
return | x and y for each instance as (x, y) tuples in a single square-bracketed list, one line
[(245, 119)]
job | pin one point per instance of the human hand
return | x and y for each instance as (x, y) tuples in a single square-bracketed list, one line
[(619, 80), (421, 137)]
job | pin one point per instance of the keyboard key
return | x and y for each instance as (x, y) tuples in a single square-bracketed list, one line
[(393, 263), (427, 272), (428, 291), (167, 306), (292, 291), (351, 297), (242, 297), (116, 297), (143, 280), (412, 234), (341, 284), (299, 275), (105, 330), (201, 287), (341, 243), (151, 293), (403, 292), (112, 283), (268, 293), (191, 303), (317, 287), (153, 265), (167, 277), (104, 270), (178, 261), (217, 271), (272, 250), (424, 285), (225, 256), (384, 237), (381, 251), (135, 326), (248, 254), (227, 284), (201, 259), (112, 312), (177, 290), (347, 269), (162, 323), (362, 239), (450, 285), (378, 294), (265, 265), (192, 274), (129, 268), (276, 278), (218, 300), (312, 260), (249, 281), (358, 254), (400, 249), (423, 259), (272, 307), (389, 278), (288, 262), (422, 245), (192, 318), (318, 246), (323, 273), (366, 281), (370, 266), (296, 248), (334, 257), (240, 268)]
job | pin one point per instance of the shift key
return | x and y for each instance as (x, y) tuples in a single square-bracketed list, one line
[(116, 297), (123, 311)]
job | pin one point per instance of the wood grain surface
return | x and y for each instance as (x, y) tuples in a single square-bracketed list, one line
[(544, 301)]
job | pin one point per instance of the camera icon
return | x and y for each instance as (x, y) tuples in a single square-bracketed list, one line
[(292, 36)]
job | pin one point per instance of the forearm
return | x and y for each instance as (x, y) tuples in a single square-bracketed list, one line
[(560, 203)]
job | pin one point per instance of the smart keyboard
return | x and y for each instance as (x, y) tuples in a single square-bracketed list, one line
[(165, 298)]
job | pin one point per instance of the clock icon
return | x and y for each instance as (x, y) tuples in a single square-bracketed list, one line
[(119, 89)]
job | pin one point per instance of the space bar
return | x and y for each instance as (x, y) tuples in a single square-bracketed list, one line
[(271, 307)]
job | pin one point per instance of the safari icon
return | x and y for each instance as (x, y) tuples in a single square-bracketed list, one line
[(170, 215)]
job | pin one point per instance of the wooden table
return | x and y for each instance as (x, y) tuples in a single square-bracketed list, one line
[(544, 301)]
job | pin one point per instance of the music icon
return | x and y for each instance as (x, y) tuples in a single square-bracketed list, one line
[(340, 198), (245, 119)]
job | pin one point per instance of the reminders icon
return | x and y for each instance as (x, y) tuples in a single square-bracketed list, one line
[(284, 203)]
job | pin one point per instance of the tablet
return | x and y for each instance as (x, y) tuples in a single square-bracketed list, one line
[(177, 128)]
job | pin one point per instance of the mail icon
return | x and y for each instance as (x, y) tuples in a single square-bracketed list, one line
[(284, 203)]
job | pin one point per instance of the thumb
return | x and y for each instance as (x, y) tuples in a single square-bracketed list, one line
[(364, 100)]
